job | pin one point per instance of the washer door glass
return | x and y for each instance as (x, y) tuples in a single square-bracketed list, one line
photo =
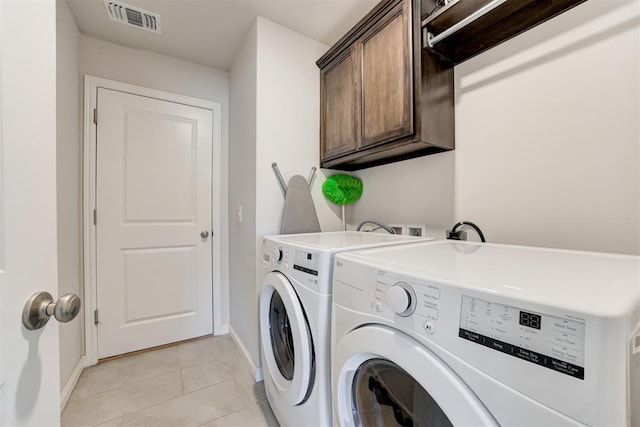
[(287, 349), (281, 337), (385, 395)]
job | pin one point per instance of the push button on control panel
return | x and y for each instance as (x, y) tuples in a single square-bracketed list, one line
[(378, 306), (429, 326)]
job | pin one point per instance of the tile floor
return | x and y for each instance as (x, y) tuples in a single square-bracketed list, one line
[(200, 383)]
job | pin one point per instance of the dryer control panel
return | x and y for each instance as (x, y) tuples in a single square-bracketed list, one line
[(421, 299), (553, 342)]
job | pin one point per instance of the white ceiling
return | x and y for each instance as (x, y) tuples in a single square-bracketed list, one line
[(210, 32)]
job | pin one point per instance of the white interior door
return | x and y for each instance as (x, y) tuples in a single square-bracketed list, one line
[(29, 365), (153, 232)]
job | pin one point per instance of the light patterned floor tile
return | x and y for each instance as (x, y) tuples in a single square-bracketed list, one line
[(258, 416), (204, 381), (267, 413), (201, 351), (192, 409), (154, 364), (252, 392), (101, 378), (210, 373), (113, 404), (112, 423)]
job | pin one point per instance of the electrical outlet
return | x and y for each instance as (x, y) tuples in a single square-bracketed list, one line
[(398, 228), (416, 230)]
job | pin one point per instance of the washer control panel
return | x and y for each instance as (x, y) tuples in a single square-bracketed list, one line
[(307, 262), (553, 342), (306, 267)]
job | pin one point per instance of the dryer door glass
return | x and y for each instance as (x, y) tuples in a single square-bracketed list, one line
[(281, 337), (385, 395)]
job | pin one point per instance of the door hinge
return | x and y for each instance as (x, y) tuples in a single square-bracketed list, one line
[(95, 217), (95, 115), (95, 317)]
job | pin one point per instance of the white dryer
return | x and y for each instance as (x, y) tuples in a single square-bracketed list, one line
[(295, 318), (461, 333)]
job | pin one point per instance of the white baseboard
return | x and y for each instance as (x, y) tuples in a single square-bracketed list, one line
[(2, 383), (222, 330), (65, 394), (256, 371)]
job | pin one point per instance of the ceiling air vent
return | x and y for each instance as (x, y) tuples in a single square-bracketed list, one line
[(132, 15)]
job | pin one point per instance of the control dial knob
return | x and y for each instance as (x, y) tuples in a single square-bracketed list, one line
[(402, 298), (277, 255)]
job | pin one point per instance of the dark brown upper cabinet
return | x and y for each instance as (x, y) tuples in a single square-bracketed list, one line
[(340, 133), (384, 98), (506, 20)]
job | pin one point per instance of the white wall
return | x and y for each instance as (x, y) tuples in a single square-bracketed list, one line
[(417, 191), (288, 126), (242, 182), (152, 70), (69, 183), (547, 133), (275, 118), (547, 141)]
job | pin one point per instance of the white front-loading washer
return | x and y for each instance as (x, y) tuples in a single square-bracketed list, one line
[(295, 319), (460, 333)]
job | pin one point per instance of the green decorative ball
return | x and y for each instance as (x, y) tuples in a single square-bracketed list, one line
[(342, 189)]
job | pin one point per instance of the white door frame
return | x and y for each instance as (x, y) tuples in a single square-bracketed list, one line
[(91, 85)]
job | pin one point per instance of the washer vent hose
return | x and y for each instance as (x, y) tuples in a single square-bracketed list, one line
[(379, 224)]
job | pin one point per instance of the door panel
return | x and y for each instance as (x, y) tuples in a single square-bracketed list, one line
[(339, 109), (153, 199), (29, 365), (154, 145), (172, 272), (387, 99)]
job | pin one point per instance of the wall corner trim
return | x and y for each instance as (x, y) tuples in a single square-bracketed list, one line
[(256, 371), (222, 330), (71, 383)]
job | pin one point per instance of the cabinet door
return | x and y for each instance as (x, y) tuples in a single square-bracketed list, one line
[(338, 106), (386, 54)]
